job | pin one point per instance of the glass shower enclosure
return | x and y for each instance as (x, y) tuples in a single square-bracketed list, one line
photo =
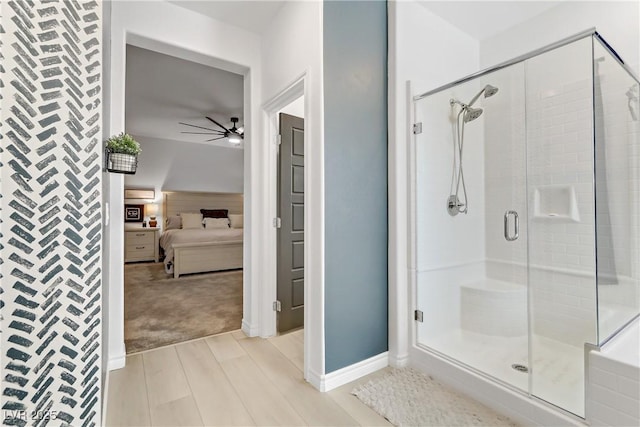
[(526, 216)]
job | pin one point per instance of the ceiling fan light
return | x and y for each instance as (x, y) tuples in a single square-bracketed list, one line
[(234, 135), (234, 139)]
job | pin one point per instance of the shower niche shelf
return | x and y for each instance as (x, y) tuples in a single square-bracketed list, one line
[(555, 203)]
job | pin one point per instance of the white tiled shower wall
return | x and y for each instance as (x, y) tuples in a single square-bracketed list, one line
[(560, 154), (562, 250), (557, 136)]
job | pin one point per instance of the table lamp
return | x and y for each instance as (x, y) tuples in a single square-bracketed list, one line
[(152, 211)]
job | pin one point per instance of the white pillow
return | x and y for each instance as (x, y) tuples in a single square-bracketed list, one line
[(216, 223), (173, 223), (191, 220), (237, 221)]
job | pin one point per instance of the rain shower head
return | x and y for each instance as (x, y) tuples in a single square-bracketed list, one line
[(488, 91), (471, 114)]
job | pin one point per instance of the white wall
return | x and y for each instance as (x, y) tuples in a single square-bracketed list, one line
[(291, 49), (296, 108), (291, 45), (182, 166), (427, 51), (170, 29), (617, 21)]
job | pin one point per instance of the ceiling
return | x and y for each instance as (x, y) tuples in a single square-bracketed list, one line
[(479, 19), (162, 90), (253, 16), (484, 19)]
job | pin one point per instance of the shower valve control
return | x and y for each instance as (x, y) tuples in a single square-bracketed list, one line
[(455, 206)]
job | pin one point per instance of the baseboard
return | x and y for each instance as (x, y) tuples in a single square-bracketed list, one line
[(353, 372), (401, 361), (116, 362), (249, 330), (315, 379)]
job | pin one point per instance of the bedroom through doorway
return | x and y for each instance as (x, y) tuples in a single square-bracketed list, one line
[(183, 250)]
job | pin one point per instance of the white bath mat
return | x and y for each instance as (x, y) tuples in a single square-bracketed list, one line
[(407, 397)]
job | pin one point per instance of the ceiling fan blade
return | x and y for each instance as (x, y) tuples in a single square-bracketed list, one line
[(215, 139), (213, 132), (225, 129), (200, 127)]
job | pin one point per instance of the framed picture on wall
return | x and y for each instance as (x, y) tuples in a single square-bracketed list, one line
[(133, 213)]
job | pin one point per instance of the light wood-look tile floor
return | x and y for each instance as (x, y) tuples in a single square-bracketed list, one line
[(227, 380)]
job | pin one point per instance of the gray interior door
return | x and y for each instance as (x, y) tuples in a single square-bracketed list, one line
[(291, 231)]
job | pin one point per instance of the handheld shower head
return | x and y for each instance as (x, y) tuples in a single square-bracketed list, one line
[(488, 91), (471, 114)]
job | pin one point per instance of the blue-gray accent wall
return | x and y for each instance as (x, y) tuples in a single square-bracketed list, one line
[(355, 138)]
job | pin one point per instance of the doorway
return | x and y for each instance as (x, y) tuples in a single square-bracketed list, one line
[(184, 119), (294, 100), (290, 220), (115, 183)]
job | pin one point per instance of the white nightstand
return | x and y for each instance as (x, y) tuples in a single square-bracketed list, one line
[(141, 244)]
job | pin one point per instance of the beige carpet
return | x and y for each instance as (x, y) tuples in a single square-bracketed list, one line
[(407, 397), (160, 310)]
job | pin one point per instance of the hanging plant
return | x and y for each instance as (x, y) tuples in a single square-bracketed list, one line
[(122, 154)]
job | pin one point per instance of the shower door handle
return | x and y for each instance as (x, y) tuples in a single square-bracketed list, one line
[(516, 226)]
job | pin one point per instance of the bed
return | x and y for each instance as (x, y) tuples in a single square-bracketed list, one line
[(201, 250)]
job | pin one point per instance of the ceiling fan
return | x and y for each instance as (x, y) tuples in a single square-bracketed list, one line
[(234, 135)]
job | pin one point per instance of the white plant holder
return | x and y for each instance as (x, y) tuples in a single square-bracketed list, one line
[(122, 163)]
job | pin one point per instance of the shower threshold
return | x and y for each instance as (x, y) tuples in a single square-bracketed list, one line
[(554, 375)]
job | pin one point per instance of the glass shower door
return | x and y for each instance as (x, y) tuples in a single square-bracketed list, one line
[(523, 181), (617, 145), (562, 275), (470, 225)]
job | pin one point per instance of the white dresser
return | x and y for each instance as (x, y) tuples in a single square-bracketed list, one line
[(141, 244)]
